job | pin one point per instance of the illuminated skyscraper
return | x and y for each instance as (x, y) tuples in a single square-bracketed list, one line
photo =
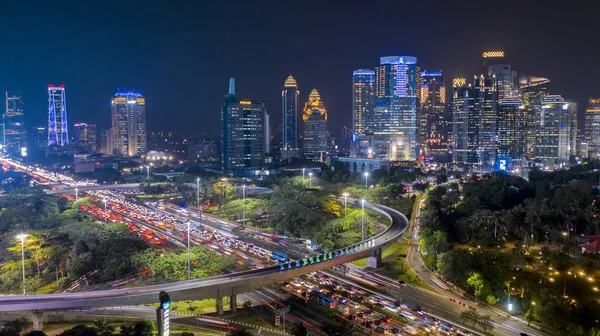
[(474, 125), (394, 122), (494, 64), (533, 92), (58, 133), (557, 137), (433, 122), (363, 89), (511, 133), (128, 123), (592, 128), (315, 127), (85, 137), (244, 129), (289, 119), (14, 137)]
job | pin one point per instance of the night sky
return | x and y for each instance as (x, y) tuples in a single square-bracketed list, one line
[(180, 54)]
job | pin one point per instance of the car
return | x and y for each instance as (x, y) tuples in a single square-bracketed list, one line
[(407, 315), (380, 330), (286, 284)]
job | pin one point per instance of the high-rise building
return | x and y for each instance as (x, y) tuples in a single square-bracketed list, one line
[(464, 123), (14, 135), (494, 64), (58, 130), (106, 146), (474, 125), (394, 121), (433, 122), (244, 128), (315, 127), (511, 133), (128, 123), (592, 128), (557, 137), (290, 146), (363, 90), (84, 136), (533, 92)]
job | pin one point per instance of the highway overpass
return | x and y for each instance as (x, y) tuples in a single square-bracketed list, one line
[(213, 287)]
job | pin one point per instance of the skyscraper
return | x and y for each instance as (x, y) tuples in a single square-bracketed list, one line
[(511, 133), (556, 140), (474, 125), (290, 146), (128, 123), (85, 137), (464, 123), (14, 135), (244, 128), (533, 92), (315, 127), (432, 121), (394, 121), (592, 128), (494, 64), (58, 131), (363, 90)]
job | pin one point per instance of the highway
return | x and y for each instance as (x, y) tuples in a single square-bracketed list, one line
[(218, 286)]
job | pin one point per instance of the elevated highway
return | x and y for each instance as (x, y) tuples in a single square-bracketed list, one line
[(214, 287)]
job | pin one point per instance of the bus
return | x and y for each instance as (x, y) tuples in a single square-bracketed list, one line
[(279, 256), (325, 299)]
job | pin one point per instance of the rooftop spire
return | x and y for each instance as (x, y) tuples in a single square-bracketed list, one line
[(232, 86)]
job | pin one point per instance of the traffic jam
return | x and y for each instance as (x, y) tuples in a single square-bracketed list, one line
[(358, 305), (158, 228)]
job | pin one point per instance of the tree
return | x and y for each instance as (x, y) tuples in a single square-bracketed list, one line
[(530, 315), (469, 316), (13, 328), (80, 330), (144, 328), (241, 332), (104, 328), (298, 329), (485, 323), (126, 330), (479, 286), (186, 333), (35, 333)]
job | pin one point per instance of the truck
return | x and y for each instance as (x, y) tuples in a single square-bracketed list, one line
[(343, 309)]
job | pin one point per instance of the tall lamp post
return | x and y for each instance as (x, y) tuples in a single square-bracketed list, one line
[(198, 191), (362, 201), (243, 204), (188, 248), (310, 180), (345, 203), (366, 180), (147, 172), (104, 201), (22, 237), (303, 170)]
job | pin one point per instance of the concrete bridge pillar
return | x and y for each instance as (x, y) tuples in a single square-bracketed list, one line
[(233, 303), (38, 320), (374, 261), (220, 305)]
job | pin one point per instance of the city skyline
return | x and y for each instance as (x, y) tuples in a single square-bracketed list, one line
[(92, 72)]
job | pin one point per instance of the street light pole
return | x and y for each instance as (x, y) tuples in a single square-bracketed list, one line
[(22, 236), (366, 180), (198, 191), (345, 204), (243, 204), (104, 200), (147, 172), (303, 169), (310, 180), (76, 194), (362, 201), (188, 248)]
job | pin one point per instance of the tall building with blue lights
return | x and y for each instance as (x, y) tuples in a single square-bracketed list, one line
[(14, 135), (128, 123), (290, 146), (58, 130), (363, 90), (396, 102)]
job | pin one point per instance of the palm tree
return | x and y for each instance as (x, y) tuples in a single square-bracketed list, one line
[(518, 251)]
